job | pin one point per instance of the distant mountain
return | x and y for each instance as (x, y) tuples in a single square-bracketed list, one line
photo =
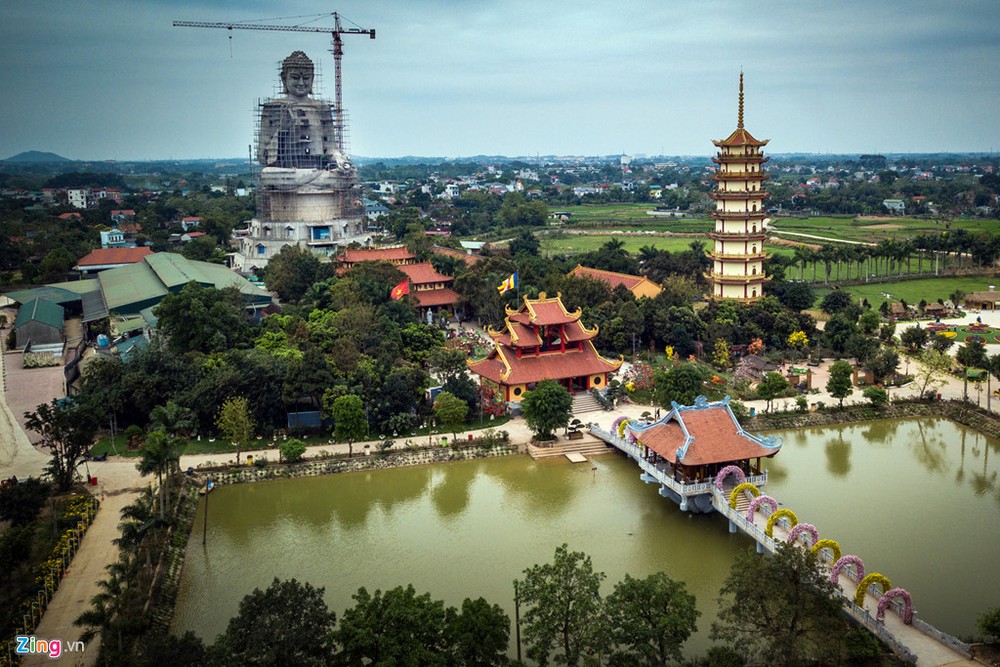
[(37, 156)]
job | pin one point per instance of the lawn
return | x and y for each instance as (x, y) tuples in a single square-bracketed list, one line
[(873, 230), (912, 291)]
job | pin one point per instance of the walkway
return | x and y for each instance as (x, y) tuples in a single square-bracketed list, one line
[(920, 641)]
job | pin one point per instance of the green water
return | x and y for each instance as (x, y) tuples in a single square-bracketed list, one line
[(918, 501)]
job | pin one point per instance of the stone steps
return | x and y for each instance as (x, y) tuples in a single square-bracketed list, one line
[(585, 402), (587, 446)]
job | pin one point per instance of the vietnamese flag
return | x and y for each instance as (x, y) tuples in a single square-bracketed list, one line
[(399, 290)]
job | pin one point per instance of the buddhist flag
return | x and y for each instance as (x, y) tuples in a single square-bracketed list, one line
[(510, 282), (399, 290)]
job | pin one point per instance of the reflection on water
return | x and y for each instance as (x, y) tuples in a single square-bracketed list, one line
[(913, 499), (916, 500)]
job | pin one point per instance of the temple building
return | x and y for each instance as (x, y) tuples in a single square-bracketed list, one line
[(543, 341), (738, 254), (430, 288)]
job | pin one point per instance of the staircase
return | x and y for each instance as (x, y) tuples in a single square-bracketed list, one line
[(583, 402), (588, 446)]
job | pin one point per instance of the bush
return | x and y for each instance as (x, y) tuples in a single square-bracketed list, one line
[(724, 656), (259, 462), (134, 436), (739, 410), (292, 450), (989, 623), (801, 404), (877, 395)]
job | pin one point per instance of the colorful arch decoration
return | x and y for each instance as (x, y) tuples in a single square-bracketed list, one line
[(800, 528), (873, 578), (726, 472), (757, 502), (773, 519), (740, 488), (843, 561), (887, 597), (828, 544)]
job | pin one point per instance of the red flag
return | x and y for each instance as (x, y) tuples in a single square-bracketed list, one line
[(399, 290)]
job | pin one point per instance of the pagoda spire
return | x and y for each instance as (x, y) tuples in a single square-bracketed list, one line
[(739, 121)]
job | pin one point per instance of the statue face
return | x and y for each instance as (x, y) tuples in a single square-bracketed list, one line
[(298, 82)]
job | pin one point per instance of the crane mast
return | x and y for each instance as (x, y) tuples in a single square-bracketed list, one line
[(337, 49)]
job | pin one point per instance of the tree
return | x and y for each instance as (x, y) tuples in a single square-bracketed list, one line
[(235, 423), (173, 419), (202, 319), (883, 364), (989, 623), (770, 386), (349, 420), (972, 354), (525, 243), (839, 385), (20, 503), (798, 340), (450, 411), (563, 604), (67, 430), (796, 294), (836, 301), (398, 627), (293, 271), (547, 407), (681, 384), (286, 624), (160, 455), (292, 450), (649, 620), (914, 338), (869, 322), (932, 371), (877, 395), (720, 355), (781, 610), (477, 636)]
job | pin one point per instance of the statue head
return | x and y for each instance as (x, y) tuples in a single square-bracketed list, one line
[(297, 75)]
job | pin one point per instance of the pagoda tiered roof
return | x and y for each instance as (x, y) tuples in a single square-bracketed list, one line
[(702, 434), (542, 341), (740, 137)]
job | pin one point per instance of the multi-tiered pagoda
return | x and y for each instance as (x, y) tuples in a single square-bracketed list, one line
[(738, 255), (543, 341)]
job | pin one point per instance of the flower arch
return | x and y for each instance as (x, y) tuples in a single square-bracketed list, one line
[(873, 578), (726, 472), (828, 544), (757, 502), (886, 599), (859, 567), (773, 519), (740, 488), (800, 528)]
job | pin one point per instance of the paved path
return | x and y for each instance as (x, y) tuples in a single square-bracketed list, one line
[(17, 455)]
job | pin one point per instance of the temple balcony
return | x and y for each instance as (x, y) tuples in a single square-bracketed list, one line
[(719, 214), (722, 257), (740, 176), (727, 158), (737, 236), (731, 195), (737, 280)]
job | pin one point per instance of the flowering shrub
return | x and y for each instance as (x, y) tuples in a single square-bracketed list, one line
[(798, 340), (639, 376), (492, 401), (756, 346)]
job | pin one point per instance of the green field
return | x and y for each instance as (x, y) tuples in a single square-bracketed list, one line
[(912, 291), (874, 230), (571, 244)]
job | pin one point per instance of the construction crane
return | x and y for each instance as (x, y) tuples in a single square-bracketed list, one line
[(338, 52)]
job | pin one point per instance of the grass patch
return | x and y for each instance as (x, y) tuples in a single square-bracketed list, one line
[(912, 291)]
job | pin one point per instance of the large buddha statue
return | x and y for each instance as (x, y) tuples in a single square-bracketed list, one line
[(297, 131)]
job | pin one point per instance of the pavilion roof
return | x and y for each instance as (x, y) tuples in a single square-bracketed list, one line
[(396, 254), (740, 137), (702, 434), (612, 278), (443, 296), (543, 311), (423, 273), (503, 367)]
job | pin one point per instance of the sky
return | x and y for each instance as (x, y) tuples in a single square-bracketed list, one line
[(113, 79)]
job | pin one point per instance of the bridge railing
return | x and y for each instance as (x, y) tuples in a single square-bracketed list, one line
[(635, 452), (862, 616)]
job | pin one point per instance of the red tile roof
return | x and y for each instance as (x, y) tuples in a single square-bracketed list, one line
[(503, 367), (423, 273), (458, 254), (104, 256), (740, 137), (125, 211), (130, 227), (436, 297), (716, 437), (70, 216), (610, 277), (398, 254)]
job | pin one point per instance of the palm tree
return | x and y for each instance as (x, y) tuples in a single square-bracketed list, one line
[(801, 256), (160, 454), (138, 520), (109, 614), (173, 419)]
